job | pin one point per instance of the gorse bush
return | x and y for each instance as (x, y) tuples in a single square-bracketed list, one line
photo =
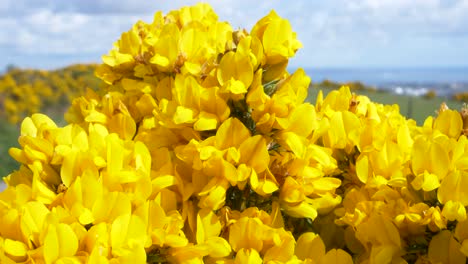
[(24, 92), (201, 149)]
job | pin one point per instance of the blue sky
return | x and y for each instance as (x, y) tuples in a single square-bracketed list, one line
[(335, 33)]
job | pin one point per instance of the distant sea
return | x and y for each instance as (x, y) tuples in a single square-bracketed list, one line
[(409, 81)]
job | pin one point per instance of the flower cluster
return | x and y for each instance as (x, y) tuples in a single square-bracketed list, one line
[(202, 149)]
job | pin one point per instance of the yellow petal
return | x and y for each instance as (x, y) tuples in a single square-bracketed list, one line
[(248, 256), (127, 231), (337, 256), (297, 144), (450, 123), (208, 225), (254, 153), (60, 241), (362, 168), (218, 247), (246, 233), (454, 211), (310, 246), (443, 248), (206, 121), (183, 115), (426, 181), (231, 133), (16, 250), (453, 188)]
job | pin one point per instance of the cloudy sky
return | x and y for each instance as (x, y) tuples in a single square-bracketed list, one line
[(335, 33)]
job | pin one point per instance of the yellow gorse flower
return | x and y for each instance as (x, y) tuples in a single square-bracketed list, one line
[(201, 149)]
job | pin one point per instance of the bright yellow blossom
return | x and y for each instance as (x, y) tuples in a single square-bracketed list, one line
[(200, 148)]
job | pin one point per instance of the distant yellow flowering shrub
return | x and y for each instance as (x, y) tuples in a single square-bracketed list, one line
[(202, 150), (24, 91)]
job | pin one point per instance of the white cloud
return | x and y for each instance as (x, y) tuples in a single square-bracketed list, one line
[(334, 32)]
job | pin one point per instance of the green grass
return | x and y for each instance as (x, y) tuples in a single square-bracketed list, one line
[(8, 138)]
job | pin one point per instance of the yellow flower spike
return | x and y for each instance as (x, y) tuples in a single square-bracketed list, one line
[(249, 256), (443, 248), (60, 241)]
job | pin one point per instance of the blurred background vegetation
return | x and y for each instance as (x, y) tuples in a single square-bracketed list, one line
[(27, 91)]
